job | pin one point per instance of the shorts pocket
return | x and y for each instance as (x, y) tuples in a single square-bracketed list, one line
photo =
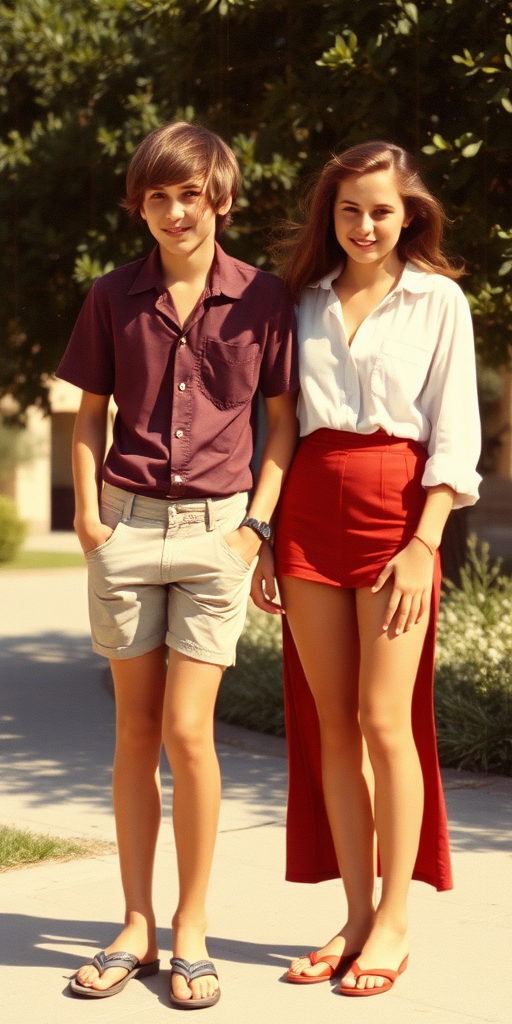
[(236, 558), (110, 516), (229, 372)]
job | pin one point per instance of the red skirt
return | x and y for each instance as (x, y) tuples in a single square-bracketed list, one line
[(351, 501)]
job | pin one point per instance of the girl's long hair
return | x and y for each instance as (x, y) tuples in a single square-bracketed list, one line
[(310, 250)]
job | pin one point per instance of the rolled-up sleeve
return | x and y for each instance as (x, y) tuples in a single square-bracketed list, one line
[(450, 401)]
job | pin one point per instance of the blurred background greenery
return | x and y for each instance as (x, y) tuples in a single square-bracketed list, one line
[(286, 83)]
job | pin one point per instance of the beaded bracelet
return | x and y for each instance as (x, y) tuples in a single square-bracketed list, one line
[(432, 550)]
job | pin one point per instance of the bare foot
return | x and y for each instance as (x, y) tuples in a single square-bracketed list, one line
[(349, 940), (190, 944), (386, 948), (138, 938)]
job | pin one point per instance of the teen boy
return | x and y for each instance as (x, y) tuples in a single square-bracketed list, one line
[(182, 339)]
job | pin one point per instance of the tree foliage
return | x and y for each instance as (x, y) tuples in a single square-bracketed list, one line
[(286, 83)]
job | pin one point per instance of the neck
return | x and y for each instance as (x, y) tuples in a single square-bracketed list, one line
[(192, 268), (370, 275)]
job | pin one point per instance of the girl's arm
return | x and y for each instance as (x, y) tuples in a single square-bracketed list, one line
[(89, 442), (413, 567)]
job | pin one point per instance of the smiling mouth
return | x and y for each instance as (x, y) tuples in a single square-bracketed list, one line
[(174, 232), (363, 244)]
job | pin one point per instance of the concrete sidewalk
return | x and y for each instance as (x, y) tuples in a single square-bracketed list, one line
[(57, 719)]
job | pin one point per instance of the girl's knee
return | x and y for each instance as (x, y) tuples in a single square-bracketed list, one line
[(385, 735)]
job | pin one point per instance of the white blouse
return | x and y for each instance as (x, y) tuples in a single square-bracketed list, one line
[(410, 370)]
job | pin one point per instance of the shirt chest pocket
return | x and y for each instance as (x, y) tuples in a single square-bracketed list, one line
[(400, 368), (228, 372)]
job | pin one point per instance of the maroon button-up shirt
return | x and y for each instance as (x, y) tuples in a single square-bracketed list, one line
[(186, 398)]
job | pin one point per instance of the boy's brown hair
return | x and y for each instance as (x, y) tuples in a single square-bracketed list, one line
[(181, 152)]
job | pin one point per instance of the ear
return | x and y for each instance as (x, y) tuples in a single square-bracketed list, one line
[(407, 221), (142, 214), (225, 208)]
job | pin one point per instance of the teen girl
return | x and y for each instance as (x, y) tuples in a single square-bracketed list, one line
[(390, 439)]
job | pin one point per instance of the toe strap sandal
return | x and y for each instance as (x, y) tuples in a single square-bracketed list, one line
[(378, 972), (199, 969), (335, 967), (102, 962)]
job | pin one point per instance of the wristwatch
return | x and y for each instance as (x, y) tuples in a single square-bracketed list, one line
[(259, 527)]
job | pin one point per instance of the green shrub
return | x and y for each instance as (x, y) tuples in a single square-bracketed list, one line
[(12, 529), (251, 692), (473, 683), (474, 668)]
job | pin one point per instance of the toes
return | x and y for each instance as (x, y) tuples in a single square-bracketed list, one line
[(348, 981), (203, 988), (180, 987), (86, 976)]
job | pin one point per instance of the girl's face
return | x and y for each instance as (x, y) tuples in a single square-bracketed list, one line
[(369, 215)]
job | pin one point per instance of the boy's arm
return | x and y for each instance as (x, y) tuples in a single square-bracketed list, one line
[(89, 442), (280, 444)]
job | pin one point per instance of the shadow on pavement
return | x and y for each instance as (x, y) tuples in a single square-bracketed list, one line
[(27, 942)]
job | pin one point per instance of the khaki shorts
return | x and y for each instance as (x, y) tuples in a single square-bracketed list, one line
[(166, 575)]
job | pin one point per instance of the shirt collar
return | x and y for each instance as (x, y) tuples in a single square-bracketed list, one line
[(413, 279), (225, 277), (150, 275)]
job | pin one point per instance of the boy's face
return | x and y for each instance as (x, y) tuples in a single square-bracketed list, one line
[(179, 216)]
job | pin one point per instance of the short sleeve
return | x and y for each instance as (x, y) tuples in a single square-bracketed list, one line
[(88, 361), (451, 403), (279, 371)]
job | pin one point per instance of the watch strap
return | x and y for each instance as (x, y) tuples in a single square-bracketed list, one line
[(259, 526)]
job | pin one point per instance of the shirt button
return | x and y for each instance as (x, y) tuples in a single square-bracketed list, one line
[(176, 479), (182, 386), (179, 433), (183, 341)]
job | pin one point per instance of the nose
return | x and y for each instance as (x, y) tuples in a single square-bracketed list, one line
[(174, 210), (365, 224)]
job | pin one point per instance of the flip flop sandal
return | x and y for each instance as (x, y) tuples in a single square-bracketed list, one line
[(336, 965), (390, 976), (102, 962), (190, 972)]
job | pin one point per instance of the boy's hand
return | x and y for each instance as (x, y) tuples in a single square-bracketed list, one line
[(245, 542), (91, 533), (263, 587)]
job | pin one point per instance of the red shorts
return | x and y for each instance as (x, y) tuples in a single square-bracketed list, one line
[(351, 501)]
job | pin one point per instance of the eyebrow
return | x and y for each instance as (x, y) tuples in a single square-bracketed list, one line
[(352, 202), (179, 184)]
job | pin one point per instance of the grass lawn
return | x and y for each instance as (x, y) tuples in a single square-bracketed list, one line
[(19, 847), (44, 560)]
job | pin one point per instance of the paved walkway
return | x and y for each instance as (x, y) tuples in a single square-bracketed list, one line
[(57, 713)]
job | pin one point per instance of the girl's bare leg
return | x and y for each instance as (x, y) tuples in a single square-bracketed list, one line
[(188, 738), (324, 626), (139, 687), (389, 664)]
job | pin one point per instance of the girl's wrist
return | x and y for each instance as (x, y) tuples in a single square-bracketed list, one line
[(426, 544)]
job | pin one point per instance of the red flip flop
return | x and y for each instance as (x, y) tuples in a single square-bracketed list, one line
[(378, 972), (335, 965)]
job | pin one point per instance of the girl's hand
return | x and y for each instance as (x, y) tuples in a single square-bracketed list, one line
[(413, 570), (263, 587)]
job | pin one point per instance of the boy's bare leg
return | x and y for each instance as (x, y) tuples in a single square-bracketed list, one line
[(140, 687), (188, 738)]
